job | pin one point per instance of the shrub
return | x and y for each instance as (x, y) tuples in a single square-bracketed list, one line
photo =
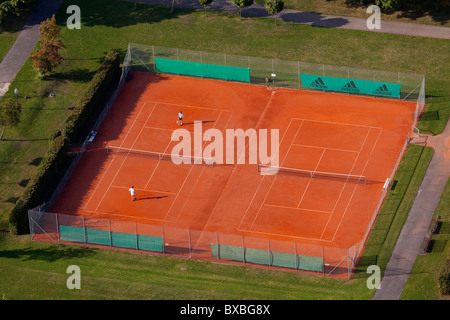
[(42, 185)]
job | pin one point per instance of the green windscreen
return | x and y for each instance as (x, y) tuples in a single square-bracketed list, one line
[(265, 257), (115, 239), (204, 70)]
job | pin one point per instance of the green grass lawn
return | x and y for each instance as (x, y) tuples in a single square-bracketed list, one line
[(113, 24)]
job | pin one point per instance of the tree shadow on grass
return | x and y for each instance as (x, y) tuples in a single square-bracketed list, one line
[(49, 254), (118, 14)]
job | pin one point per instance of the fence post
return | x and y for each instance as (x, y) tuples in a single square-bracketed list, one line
[(84, 229), (189, 238), (243, 250), (58, 235), (137, 236), (164, 240), (110, 234), (218, 247), (323, 262), (154, 60)]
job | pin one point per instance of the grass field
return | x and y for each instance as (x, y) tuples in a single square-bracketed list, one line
[(114, 275)]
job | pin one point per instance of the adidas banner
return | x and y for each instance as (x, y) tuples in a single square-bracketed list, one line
[(385, 89)]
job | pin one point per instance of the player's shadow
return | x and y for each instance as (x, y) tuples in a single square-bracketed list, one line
[(151, 198), (203, 122)]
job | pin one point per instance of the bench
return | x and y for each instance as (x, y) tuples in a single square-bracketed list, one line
[(91, 136), (425, 247)]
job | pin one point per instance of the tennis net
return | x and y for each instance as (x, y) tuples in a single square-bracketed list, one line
[(176, 158), (270, 170)]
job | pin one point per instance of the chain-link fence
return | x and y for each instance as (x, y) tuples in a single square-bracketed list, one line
[(281, 73), (191, 244)]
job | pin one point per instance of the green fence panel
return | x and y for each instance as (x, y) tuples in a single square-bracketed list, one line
[(150, 243), (310, 263), (124, 240), (101, 237), (375, 88), (227, 252), (264, 257), (115, 239), (73, 234), (258, 256), (204, 70), (285, 260)]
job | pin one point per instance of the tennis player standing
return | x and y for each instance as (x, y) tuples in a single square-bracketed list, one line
[(180, 118), (132, 193)]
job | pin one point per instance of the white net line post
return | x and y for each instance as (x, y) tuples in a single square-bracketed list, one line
[(311, 173), (160, 155)]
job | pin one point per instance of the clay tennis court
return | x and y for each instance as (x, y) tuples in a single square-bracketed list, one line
[(324, 132)]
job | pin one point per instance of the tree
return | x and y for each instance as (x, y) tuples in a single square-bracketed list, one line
[(46, 56), (273, 7), (242, 4), (204, 3), (10, 112), (9, 6)]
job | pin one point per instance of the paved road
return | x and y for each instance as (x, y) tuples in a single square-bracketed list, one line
[(315, 19), (416, 226), (25, 43)]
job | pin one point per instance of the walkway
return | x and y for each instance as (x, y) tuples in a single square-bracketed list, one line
[(416, 226), (25, 43)]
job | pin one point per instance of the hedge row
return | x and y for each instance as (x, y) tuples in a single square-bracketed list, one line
[(50, 171), (444, 277)]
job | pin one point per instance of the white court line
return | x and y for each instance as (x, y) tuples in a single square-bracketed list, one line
[(310, 179), (294, 208), (117, 172), (184, 182), (367, 162), (273, 181), (107, 169), (327, 148)]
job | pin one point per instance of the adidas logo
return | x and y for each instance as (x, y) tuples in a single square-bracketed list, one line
[(319, 84), (350, 87), (383, 91)]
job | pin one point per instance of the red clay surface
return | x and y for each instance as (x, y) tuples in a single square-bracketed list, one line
[(317, 131)]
